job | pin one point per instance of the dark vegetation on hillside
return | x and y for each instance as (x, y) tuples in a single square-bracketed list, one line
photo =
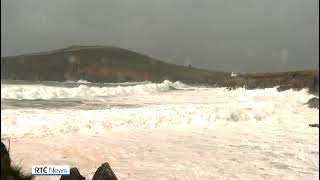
[(99, 64)]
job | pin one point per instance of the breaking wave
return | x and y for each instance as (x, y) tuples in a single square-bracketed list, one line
[(21, 92), (264, 108), (81, 81)]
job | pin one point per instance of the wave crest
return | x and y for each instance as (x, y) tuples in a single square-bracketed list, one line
[(21, 92)]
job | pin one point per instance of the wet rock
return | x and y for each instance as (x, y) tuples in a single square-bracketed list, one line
[(313, 103), (104, 172), (283, 88), (74, 175), (314, 125), (231, 88), (5, 158)]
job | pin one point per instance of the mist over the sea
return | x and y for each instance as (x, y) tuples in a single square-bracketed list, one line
[(232, 35)]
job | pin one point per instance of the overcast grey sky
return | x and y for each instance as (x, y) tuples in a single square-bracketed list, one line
[(228, 35)]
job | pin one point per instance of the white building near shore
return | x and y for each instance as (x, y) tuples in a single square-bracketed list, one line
[(233, 74)]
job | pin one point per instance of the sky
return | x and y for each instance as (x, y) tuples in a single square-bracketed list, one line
[(223, 35)]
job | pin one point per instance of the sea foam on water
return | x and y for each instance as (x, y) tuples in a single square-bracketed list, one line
[(195, 133)]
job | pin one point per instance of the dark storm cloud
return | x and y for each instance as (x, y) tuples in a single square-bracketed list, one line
[(229, 35)]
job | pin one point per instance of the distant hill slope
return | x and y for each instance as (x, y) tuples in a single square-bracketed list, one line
[(99, 64)]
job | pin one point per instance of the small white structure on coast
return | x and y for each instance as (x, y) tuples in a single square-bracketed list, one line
[(233, 74)]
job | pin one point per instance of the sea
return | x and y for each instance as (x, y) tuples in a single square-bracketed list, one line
[(166, 130)]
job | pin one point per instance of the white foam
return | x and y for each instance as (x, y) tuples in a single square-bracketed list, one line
[(80, 81), (202, 133), (82, 91), (204, 108)]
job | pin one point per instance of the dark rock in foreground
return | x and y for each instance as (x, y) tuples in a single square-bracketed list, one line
[(74, 175), (104, 172), (314, 125), (5, 159), (313, 103), (7, 170)]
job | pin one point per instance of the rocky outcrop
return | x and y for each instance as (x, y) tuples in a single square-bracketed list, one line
[(284, 80), (284, 88), (314, 125), (74, 175), (231, 88), (104, 172), (313, 103)]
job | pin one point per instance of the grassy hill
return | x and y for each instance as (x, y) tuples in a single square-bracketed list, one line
[(99, 64)]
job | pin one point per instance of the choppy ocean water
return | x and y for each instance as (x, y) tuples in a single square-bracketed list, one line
[(167, 129)]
